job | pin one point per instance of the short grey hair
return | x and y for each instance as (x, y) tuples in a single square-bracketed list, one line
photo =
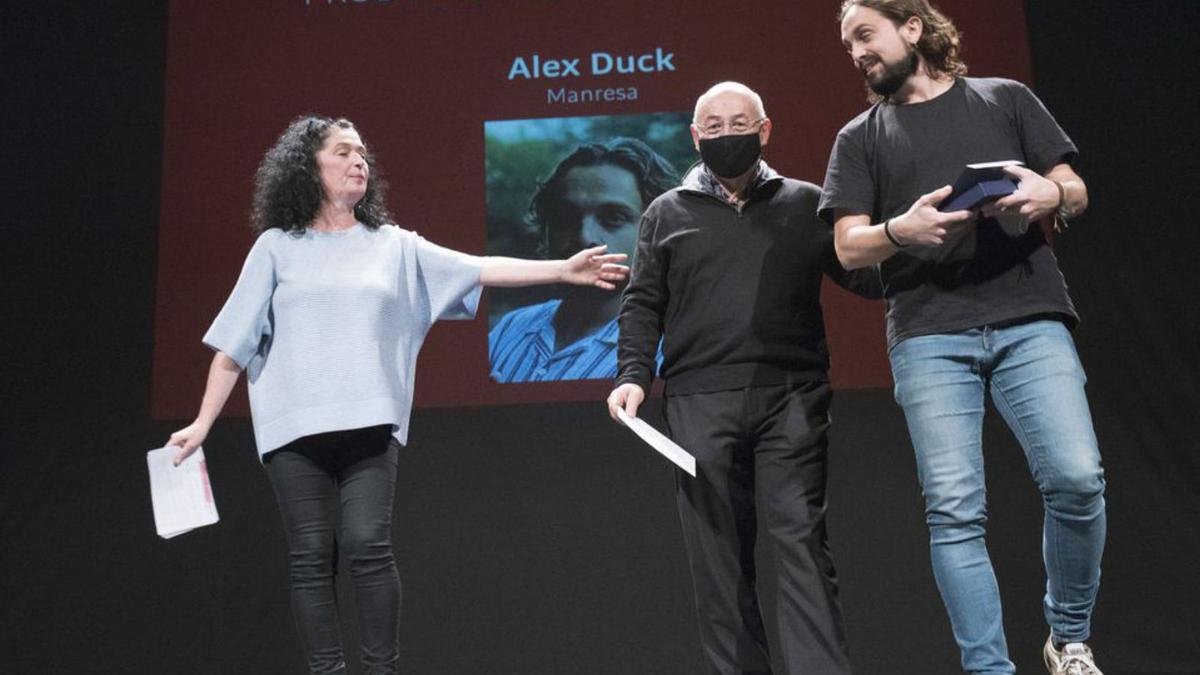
[(727, 87)]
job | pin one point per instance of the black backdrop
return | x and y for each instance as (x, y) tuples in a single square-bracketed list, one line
[(520, 555)]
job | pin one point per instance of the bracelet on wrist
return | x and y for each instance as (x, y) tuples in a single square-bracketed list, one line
[(887, 231), (1060, 211)]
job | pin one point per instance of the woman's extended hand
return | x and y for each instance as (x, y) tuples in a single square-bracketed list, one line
[(594, 267)]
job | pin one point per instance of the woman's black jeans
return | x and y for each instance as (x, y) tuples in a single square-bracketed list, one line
[(336, 493)]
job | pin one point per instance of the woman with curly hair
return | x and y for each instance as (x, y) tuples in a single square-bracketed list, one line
[(327, 317)]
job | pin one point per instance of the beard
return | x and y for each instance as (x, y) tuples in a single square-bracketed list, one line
[(894, 76)]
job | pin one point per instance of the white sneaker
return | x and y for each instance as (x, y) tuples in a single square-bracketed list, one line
[(1074, 659)]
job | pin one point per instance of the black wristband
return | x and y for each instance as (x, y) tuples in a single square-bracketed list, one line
[(891, 237), (1060, 211), (1061, 207)]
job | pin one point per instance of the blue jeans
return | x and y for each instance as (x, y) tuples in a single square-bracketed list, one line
[(1036, 382)]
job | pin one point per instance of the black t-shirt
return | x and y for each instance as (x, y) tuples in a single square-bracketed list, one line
[(890, 155)]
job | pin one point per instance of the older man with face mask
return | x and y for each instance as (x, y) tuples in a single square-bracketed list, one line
[(728, 273)]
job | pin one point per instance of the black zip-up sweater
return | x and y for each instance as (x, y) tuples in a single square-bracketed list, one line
[(733, 293)]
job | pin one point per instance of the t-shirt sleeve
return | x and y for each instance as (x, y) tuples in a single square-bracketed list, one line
[(243, 327), (449, 281), (848, 182), (1043, 141)]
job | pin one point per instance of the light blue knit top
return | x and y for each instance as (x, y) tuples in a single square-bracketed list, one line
[(328, 326)]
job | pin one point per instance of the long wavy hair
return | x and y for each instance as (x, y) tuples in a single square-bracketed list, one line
[(939, 45), (287, 185), (655, 175)]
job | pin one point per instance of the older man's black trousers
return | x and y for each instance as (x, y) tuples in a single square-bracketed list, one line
[(759, 448)]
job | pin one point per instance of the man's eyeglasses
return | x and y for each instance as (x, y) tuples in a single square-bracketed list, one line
[(738, 126)]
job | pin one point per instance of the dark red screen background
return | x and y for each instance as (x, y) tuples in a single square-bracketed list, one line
[(420, 78)]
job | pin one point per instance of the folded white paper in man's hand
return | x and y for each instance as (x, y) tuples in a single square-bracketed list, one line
[(181, 495), (665, 446)]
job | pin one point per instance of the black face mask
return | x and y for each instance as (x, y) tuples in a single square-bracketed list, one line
[(730, 156)]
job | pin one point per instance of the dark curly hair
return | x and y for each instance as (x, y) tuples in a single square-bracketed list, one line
[(654, 174), (939, 44), (287, 185)]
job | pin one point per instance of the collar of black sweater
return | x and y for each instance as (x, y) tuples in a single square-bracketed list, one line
[(699, 179)]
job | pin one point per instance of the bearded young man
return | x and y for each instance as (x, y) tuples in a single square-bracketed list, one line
[(976, 306)]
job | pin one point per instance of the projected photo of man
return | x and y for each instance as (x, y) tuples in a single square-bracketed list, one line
[(594, 196)]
